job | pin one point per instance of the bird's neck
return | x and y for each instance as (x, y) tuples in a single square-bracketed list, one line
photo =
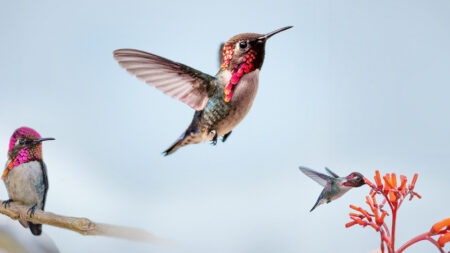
[(238, 71), (24, 155)]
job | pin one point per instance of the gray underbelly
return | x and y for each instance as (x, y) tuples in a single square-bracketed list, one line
[(339, 194), (241, 102), (25, 183)]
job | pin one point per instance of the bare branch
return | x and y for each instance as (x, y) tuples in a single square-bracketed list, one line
[(83, 226)]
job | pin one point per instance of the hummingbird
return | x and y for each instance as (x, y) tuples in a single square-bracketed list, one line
[(334, 186), (25, 175), (221, 101)]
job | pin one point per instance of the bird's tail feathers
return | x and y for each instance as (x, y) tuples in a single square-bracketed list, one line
[(36, 229), (192, 135), (318, 202)]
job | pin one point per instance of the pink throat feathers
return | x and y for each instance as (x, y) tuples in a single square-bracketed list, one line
[(238, 71), (26, 154)]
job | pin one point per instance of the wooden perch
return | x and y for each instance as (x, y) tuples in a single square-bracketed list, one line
[(83, 226)]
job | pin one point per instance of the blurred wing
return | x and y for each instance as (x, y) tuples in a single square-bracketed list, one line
[(316, 176), (331, 172), (179, 81)]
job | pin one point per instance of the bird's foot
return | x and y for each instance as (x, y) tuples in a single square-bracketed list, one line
[(32, 210), (7, 203), (214, 139), (225, 137)]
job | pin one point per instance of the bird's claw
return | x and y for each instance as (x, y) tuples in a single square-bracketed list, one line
[(225, 137), (7, 203), (32, 210), (214, 139)]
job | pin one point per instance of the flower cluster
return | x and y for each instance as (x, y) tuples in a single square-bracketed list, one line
[(393, 194), (442, 228)]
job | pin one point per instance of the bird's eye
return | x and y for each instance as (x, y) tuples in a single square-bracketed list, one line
[(243, 44), (22, 142)]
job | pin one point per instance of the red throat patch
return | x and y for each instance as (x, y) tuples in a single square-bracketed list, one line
[(238, 71)]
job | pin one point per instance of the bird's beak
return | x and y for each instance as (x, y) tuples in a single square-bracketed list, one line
[(268, 35), (37, 141)]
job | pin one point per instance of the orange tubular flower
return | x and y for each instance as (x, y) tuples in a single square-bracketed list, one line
[(403, 182), (382, 218), (444, 239), (392, 197), (369, 202), (367, 181), (359, 209), (366, 214), (440, 225), (388, 184), (351, 223), (378, 180), (394, 180), (374, 201), (355, 207), (411, 186), (356, 215)]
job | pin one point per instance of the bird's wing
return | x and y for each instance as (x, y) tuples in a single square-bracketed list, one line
[(45, 179), (184, 83), (221, 53), (331, 172), (320, 178)]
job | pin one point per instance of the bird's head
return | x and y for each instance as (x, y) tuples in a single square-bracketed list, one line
[(25, 145), (355, 179), (246, 48), (243, 54)]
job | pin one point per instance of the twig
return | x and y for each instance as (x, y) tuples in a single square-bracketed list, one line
[(83, 226)]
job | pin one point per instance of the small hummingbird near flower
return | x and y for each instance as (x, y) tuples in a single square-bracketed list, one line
[(334, 186), (25, 175), (220, 101)]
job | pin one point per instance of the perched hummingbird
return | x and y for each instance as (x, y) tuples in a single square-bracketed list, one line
[(25, 174), (334, 186), (220, 101)]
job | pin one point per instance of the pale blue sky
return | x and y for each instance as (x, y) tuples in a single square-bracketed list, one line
[(355, 86)]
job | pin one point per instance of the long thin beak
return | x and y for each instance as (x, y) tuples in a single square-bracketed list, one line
[(268, 35), (43, 139)]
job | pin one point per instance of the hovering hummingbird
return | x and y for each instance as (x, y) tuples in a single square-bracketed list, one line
[(334, 186), (25, 175), (220, 101)]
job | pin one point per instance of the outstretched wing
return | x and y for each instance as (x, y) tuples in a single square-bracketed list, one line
[(320, 178), (331, 172), (184, 83)]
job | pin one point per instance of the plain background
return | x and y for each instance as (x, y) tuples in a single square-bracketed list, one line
[(355, 86)]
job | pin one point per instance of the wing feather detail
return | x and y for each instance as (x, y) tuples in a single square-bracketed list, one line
[(179, 81), (331, 172), (320, 178)]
